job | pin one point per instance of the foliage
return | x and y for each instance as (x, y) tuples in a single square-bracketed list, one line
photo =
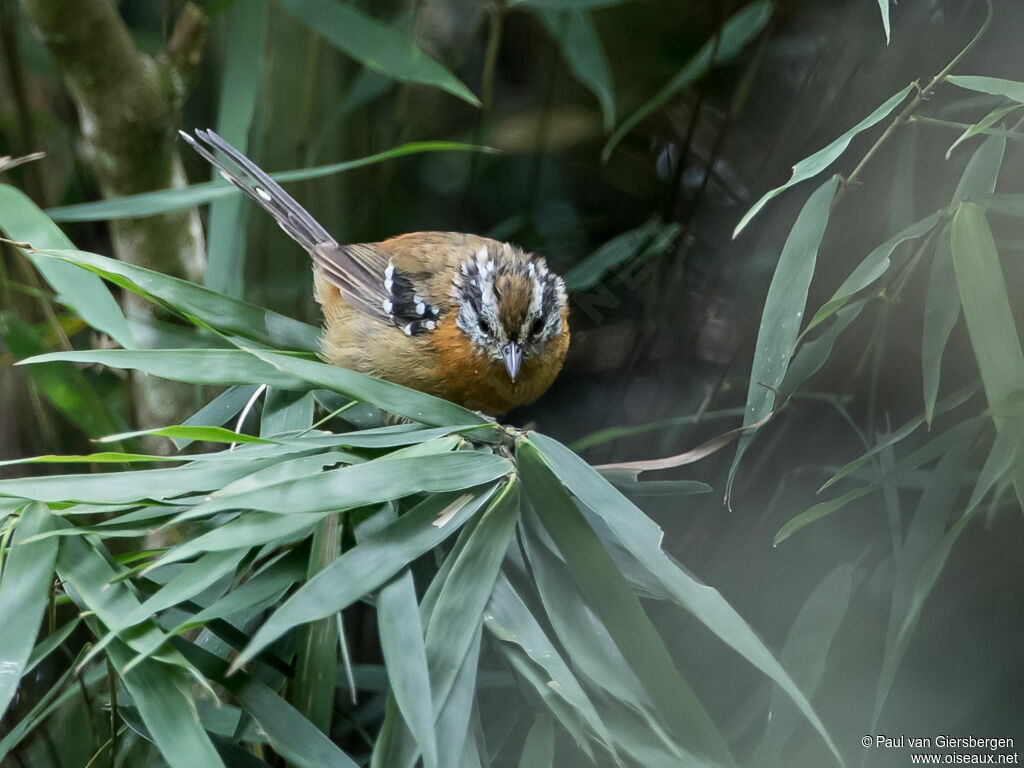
[(290, 577)]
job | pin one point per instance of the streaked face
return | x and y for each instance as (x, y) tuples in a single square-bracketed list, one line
[(510, 305)]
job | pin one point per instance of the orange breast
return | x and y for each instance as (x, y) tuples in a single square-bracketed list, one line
[(479, 382)]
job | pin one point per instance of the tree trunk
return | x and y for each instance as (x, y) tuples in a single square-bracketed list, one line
[(129, 107)]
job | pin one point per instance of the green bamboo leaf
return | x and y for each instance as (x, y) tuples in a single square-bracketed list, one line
[(962, 433), (22, 221), (193, 301), (724, 45), (184, 585), (230, 366), (814, 164), (982, 126), (539, 747), (616, 252), (642, 538), (924, 535), (804, 655), (403, 648), (163, 201), (239, 90), (180, 431), (453, 721), (994, 86), (581, 47), (285, 411), (453, 608), (217, 412), (367, 566), (59, 694), (291, 735), (316, 658), (354, 486), (127, 487), (70, 391), (982, 170), (874, 266), (50, 644), (457, 613), (990, 321), (941, 311), (609, 596), (95, 588), (166, 705), (953, 401), (375, 45), (510, 620), (783, 311), (883, 7), (24, 589)]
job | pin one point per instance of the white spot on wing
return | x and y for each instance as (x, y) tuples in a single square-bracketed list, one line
[(421, 308), (407, 329), (387, 305)]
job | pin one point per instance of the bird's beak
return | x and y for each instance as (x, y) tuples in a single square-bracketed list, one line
[(513, 355)]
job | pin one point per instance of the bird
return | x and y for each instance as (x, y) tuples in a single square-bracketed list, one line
[(479, 322)]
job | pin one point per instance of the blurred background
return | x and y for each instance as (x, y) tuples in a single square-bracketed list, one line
[(627, 160)]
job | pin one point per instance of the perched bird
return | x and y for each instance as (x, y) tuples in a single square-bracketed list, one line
[(478, 322)]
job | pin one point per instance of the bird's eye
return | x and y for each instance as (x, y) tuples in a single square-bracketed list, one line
[(537, 327), (485, 329)]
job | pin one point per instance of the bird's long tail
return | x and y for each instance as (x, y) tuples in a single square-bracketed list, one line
[(295, 220)]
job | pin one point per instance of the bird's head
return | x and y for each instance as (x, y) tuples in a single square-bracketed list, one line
[(510, 305)]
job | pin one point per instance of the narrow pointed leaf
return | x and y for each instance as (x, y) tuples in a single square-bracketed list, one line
[(22, 221), (24, 589), (814, 164), (581, 47), (365, 568), (376, 45), (783, 311)]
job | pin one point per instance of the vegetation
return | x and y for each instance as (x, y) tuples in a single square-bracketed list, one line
[(280, 574)]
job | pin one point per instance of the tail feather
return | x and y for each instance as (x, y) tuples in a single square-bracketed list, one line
[(360, 280), (254, 182)]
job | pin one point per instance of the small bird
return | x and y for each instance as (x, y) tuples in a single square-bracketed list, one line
[(473, 320)]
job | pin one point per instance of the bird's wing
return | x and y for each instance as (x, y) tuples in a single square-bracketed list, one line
[(358, 271)]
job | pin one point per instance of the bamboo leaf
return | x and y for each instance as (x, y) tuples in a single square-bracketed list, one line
[(163, 201), (166, 706), (990, 322), (226, 367), (982, 126), (239, 90), (941, 311), (24, 589), (609, 596), (883, 7), (192, 301), (805, 654), (581, 47), (783, 311), (376, 45), (403, 648), (366, 567), (539, 747), (724, 45), (22, 221), (814, 164), (994, 86), (642, 538)]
